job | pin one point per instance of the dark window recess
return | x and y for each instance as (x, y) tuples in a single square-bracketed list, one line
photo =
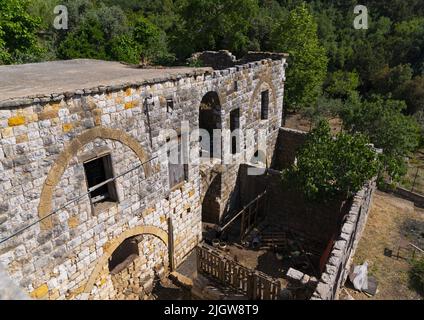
[(169, 105), (264, 105), (234, 125), (96, 172), (178, 173), (126, 252)]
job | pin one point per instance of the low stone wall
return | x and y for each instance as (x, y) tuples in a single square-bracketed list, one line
[(340, 259), (224, 59), (417, 199)]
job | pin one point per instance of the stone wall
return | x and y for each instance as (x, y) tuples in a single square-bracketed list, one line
[(289, 141), (340, 259), (45, 140), (291, 211)]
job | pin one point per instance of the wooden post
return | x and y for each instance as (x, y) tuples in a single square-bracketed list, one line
[(251, 286), (171, 244)]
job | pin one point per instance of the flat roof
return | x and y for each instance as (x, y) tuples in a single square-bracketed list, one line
[(38, 79)]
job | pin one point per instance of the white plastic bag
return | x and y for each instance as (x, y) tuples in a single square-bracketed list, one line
[(359, 277)]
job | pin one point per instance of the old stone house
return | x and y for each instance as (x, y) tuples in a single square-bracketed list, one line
[(84, 168)]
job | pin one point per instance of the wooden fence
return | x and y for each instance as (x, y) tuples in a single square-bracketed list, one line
[(253, 284)]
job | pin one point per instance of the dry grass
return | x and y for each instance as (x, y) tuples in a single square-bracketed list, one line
[(414, 179), (390, 219), (296, 121)]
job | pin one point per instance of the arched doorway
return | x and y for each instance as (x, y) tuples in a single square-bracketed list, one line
[(130, 264), (209, 120)]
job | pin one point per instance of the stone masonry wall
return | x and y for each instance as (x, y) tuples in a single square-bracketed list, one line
[(338, 266), (289, 141), (44, 141)]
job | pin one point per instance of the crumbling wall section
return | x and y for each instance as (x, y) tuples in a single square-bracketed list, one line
[(289, 142)]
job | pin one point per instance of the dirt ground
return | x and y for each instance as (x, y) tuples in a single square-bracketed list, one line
[(390, 220), (296, 121)]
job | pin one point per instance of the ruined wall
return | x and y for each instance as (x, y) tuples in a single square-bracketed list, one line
[(289, 141), (135, 279), (44, 141), (289, 210), (338, 266)]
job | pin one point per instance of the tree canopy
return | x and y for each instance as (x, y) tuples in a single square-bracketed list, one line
[(298, 36), (329, 168)]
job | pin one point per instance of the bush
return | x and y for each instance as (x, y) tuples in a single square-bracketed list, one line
[(332, 168), (416, 275)]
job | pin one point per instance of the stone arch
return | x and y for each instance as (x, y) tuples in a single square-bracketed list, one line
[(59, 166), (265, 79), (111, 246)]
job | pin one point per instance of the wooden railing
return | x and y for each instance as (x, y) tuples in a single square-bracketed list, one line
[(222, 268), (250, 215)]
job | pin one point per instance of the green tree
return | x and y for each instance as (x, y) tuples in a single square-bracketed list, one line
[(413, 93), (18, 38), (308, 61), (92, 31), (416, 275), (384, 122), (87, 41), (391, 80), (213, 25), (330, 167), (342, 85), (151, 41)]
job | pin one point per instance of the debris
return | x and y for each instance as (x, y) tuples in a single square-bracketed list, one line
[(256, 242), (359, 277), (371, 289)]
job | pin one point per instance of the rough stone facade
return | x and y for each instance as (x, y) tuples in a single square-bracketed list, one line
[(47, 137)]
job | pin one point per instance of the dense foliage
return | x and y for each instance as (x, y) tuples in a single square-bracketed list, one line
[(387, 127), (18, 39), (330, 167), (373, 78), (416, 275), (297, 35)]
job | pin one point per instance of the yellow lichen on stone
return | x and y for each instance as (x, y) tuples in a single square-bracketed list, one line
[(73, 222), (191, 193), (148, 211), (40, 292), (22, 138), (129, 105), (55, 106), (48, 114), (162, 219), (16, 121), (119, 100), (128, 92), (54, 294), (7, 132), (67, 127), (102, 282)]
